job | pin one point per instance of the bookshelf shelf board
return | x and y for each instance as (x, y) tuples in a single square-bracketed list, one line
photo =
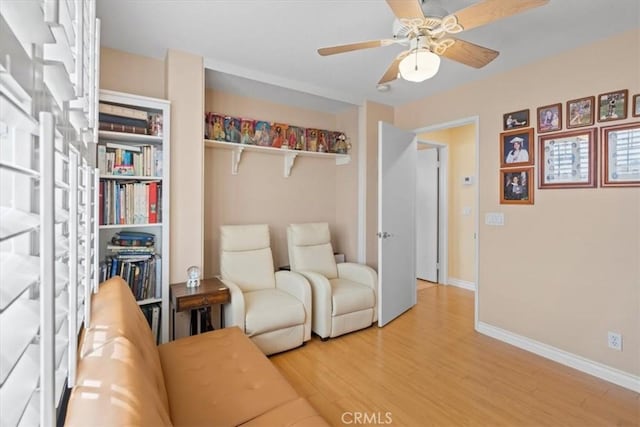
[(289, 155), (149, 301), (129, 137), (132, 177), (108, 226)]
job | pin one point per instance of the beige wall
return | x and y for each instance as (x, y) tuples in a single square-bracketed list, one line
[(347, 189), (185, 90), (461, 228), (374, 113), (126, 72), (317, 189), (566, 270)]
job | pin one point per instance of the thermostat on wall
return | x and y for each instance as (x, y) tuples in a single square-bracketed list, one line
[(467, 180)]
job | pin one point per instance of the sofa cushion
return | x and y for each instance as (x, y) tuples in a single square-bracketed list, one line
[(348, 296), (271, 309), (113, 390), (220, 378), (295, 413)]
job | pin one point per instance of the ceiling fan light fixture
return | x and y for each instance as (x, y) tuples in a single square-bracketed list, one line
[(421, 64)]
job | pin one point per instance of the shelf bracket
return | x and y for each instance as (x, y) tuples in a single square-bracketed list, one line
[(236, 155), (289, 159)]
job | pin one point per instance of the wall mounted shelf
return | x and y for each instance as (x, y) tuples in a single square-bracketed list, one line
[(288, 155)]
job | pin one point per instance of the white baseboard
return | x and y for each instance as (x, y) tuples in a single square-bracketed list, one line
[(607, 373), (461, 283)]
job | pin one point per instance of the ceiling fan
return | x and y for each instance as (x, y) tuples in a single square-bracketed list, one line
[(429, 37)]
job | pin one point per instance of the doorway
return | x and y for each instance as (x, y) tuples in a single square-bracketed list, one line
[(432, 212), (461, 138)]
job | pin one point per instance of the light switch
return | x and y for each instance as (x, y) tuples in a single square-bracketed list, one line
[(494, 218)]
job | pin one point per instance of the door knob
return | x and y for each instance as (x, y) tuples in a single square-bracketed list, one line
[(384, 235)]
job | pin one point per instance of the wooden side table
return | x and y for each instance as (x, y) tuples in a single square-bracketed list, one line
[(199, 300)]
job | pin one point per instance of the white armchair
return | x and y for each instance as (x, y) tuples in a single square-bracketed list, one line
[(272, 308), (344, 296)]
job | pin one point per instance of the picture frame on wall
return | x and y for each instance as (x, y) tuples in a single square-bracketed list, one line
[(620, 167), (550, 118), (515, 120), (516, 186), (568, 159), (612, 105), (581, 112), (516, 149), (635, 112)]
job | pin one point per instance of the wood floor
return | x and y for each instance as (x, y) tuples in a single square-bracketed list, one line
[(429, 367)]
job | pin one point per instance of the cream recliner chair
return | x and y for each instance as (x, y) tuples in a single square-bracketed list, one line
[(272, 308), (344, 295)]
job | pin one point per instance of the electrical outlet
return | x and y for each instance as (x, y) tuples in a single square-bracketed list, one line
[(615, 340)]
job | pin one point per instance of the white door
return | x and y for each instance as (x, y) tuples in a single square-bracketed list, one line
[(427, 215), (396, 222)]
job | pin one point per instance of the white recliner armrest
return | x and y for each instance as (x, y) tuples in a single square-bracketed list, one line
[(234, 310), (360, 273), (321, 295), (296, 285)]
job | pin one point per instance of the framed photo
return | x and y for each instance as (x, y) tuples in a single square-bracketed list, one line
[(621, 155), (568, 159), (612, 106), (580, 112), (515, 148), (636, 106), (515, 120), (516, 186), (550, 118)]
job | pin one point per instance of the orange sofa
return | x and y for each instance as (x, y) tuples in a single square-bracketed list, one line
[(218, 378)]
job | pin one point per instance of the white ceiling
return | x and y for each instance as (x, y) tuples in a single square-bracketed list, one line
[(267, 48)]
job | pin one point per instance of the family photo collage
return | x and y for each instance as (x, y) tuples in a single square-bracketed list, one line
[(568, 158)]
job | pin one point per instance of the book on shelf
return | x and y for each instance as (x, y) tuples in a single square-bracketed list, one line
[(121, 111), (155, 321), (133, 238), (152, 188), (115, 127), (127, 147), (129, 250), (109, 118), (152, 313)]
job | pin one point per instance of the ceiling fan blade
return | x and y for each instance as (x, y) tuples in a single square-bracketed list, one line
[(406, 8), (332, 50), (470, 54), (488, 11), (393, 70), (391, 73)]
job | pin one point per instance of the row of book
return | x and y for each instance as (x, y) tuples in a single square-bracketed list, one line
[(153, 314), (129, 202), (131, 255), (129, 160), (142, 272), (120, 118)]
